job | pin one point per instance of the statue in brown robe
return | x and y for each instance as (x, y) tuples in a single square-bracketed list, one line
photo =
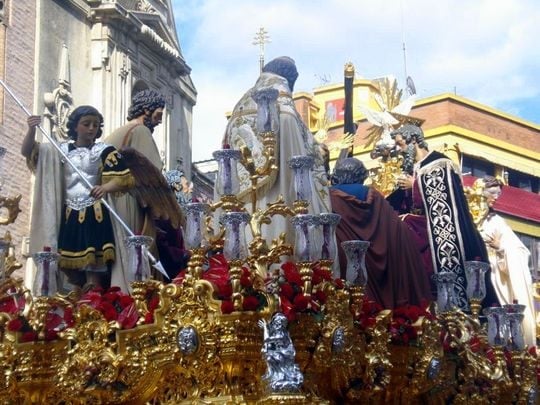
[(396, 274)]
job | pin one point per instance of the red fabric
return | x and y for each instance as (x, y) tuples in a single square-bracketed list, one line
[(514, 201), (396, 274)]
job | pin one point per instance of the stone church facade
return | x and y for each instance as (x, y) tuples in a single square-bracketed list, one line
[(58, 54)]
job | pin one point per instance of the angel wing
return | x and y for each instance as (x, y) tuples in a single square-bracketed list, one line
[(321, 135), (345, 143), (151, 188), (382, 122), (378, 118), (405, 106)]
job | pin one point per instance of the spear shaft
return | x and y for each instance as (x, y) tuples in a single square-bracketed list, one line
[(154, 261)]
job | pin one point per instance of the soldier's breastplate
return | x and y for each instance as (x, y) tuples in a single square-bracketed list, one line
[(88, 161)]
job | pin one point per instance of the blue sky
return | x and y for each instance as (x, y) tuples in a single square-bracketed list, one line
[(485, 50)]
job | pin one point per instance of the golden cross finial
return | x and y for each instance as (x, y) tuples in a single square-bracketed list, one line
[(261, 38)]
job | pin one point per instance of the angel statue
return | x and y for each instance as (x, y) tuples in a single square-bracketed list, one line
[(283, 374), (391, 113), (391, 108)]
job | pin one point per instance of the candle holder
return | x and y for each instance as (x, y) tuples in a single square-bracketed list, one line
[(267, 110), (235, 250), (514, 319), (195, 236), (45, 279), (138, 265), (301, 166), (497, 326), (328, 223), (355, 251), (356, 273), (227, 181), (475, 272), (304, 249), (446, 300), (235, 246)]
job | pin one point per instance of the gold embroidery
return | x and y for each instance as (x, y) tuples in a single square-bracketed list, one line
[(112, 159), (98, 211), (82, 215)]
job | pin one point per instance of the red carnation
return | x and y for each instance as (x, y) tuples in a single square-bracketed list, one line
[(180, 277), (490, 355), (153, 303), (320, 296), (68, 317), (53, 321), (51, 335), (29, 336), (367, 322), (287, 291), (125, 300), (128, 317), (149, 318), (475, 344), (113, 289), (290, 272), (12, 306), (218, 262), (15, 325), (245, 279), (301, 302), (287, 309), (225, 290), (339, 283), (250, 303), (108, 311), (110, 296), (227, 307)]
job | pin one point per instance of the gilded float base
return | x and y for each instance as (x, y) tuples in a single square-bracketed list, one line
[(290, 399)]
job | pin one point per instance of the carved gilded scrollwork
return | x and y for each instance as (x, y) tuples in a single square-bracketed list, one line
[(341, 348)]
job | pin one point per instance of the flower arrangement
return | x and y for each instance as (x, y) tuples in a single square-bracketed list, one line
[(292, 298), (13, 305), (58, 319), (402, 327), (367, 317), (217, 273), (114, 304)]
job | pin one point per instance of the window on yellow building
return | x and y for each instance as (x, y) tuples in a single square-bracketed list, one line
[(477, 167), (523, 181)]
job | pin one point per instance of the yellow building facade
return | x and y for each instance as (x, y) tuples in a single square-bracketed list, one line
[(481, 139)]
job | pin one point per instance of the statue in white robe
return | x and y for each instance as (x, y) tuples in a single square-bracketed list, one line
[(509, 258), (292, 138)]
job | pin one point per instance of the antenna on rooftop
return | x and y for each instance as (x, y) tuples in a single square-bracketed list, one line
[(261, 38), (403, 42)]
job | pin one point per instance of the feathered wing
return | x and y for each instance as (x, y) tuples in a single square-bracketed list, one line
[(380, 121), (151, 189), (405, 106)]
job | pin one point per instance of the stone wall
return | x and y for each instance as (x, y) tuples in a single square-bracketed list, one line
[(17, 44)]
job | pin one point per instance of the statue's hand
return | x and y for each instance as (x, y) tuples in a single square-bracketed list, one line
[(262, 323), (405, 181)]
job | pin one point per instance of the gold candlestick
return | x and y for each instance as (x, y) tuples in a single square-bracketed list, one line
[(357, 296), (306, 274), (235, 272), (476, 305), (196, 262)]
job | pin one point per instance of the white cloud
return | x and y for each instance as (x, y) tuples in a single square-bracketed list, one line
[(485, 49)]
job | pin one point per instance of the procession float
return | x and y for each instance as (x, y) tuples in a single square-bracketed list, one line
[(243, 325)]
